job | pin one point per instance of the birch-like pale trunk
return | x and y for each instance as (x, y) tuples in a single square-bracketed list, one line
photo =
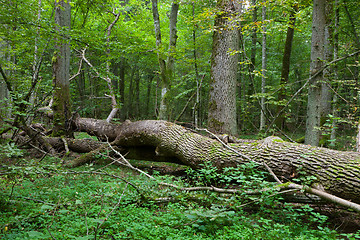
[(114, 105)]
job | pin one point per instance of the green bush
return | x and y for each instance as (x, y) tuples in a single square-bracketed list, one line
[(44, 201)]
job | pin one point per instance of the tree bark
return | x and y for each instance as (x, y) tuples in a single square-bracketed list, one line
[(263, 70), (4, 111), (197, 76), (61, 69), (336, 77), (222, 99), (114, 104), (166, 67), (312, 134), (326, 89), (285, 70), (336, 172)]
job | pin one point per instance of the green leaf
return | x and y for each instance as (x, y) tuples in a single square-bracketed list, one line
[(35, 235), (46, 207)]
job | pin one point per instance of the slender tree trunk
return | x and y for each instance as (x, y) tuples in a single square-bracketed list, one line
[(263, 70), (336, 50), (356, 39), (197, 102), (166, 67), (81, 80), (3, 102), (35, 62), (254, 40), (61, 68), (243, 88), (137, 93), (114, 104), (130, 110), (326, 92), (4, 93), (115, 70), (122, 85), (148, 94), (222, 100), (285, 70), (312, 133)]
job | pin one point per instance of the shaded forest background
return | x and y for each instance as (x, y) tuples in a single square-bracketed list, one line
[(252, 69), (128, 56)]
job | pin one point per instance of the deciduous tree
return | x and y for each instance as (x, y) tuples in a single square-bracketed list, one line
[(224, 65), (312, 134), (61, 69)]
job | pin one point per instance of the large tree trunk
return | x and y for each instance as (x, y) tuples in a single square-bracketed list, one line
[(312, 134), (336, 172), (224, 62), (61, 69)]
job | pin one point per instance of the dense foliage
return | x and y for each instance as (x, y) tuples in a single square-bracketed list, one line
[(27, 39), (40, 200)]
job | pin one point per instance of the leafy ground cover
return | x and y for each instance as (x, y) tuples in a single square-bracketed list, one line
[(41, 200)]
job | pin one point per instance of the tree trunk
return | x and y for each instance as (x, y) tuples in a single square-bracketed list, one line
[(36, 60), (263, 70), (222, 99), (197, 76), (4, 93), (137, 94), (312, 134), (335, 171), (285, 70), (356, 40), (149, 79), (114, 104), (334, 70), (61, 69), (4, 111), (253, 42), (326, 91), (122, 86), (130, 110), (166, 67)]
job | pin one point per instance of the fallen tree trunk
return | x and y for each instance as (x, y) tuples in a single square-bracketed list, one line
[(335, 172)]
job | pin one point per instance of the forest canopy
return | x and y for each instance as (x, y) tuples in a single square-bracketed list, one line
[(255, 100)]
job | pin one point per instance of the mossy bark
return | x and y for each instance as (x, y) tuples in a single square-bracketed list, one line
[(224, 62), (312, 134), (337, 172), (61, 69), (166, 67)]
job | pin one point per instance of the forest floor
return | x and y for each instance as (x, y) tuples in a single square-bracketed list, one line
[(39, 199)]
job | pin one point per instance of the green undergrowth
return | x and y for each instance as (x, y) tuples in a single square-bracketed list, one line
[(45, 201)]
